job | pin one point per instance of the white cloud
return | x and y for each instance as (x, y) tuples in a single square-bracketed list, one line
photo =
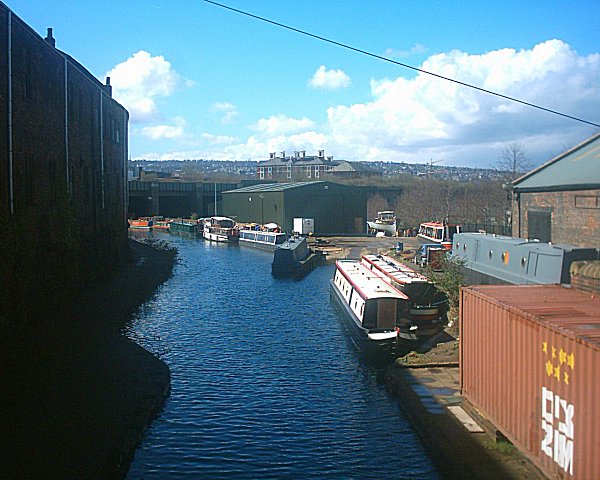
[(282, 124), (217, 139), (140, 80), (329, 79), (415, 119), (157, 132), (425, 117), (227, 111), (416, 49)]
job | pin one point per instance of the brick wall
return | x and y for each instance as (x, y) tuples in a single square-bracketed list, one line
[(67, 223), (575, 215)]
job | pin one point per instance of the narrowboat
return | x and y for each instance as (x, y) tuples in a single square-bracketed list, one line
[(441, 233), (428, 306), (185, 227), (495, 259), (220, 229), (376, 312), (140, 223), (161, 223), (294, 258), (385, 222), (265, 237)]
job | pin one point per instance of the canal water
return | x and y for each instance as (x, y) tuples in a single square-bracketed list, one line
[(266, 382)]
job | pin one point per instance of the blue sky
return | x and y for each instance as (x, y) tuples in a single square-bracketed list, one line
[(200, 81)]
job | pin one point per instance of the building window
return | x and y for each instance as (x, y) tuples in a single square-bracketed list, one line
[(539, 226), (308, 171), (316, 172)]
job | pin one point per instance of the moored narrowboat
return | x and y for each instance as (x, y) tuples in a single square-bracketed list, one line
[(140, 223), (265, 237), (294, 258), (377, 313), (161, 224), (185, 227), (428, 305)]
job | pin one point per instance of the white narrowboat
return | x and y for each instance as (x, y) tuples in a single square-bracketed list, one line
[(376, 312), (265, 237)]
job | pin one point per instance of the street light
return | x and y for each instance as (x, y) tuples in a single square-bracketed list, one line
[(262, 216)]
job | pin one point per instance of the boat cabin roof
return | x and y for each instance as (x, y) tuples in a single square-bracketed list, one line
[(396, 270), (368, 283), (438, 224)]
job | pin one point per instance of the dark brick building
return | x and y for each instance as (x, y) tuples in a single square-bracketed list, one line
[(559, 202), (63, 170)]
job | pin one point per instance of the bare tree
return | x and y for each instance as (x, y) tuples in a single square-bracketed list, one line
[(513, 162)]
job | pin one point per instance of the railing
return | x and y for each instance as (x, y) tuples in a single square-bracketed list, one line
[(505, 230)]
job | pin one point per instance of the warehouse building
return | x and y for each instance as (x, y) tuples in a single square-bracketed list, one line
[(559, 202), (63, 183), (335, 208)]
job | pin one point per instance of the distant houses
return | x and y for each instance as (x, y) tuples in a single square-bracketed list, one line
[(300, 166)]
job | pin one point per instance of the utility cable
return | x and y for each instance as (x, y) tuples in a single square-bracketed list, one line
[(364, 52)]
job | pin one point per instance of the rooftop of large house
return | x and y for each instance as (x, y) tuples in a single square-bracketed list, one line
[(575, 169), (299, 159)]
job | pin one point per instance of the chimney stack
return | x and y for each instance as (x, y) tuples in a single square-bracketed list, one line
[(108, 87), (50, 39)]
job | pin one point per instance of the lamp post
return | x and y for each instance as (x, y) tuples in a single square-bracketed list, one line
[(262, 216)]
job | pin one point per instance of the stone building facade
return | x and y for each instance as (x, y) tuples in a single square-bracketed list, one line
[(63, 189)]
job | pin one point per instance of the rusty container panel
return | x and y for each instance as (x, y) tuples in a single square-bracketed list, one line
[(530, 362)]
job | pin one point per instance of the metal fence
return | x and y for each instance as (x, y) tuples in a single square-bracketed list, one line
[(505, 230)]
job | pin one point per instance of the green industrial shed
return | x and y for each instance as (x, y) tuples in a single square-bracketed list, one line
[(335, 208)]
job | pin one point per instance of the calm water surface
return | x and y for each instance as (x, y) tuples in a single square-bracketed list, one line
[(265, 381)]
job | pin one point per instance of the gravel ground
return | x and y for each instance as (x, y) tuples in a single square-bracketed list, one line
[(76, 394)]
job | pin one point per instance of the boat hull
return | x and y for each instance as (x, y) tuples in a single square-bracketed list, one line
[(388, 343), (389, 229), (294, 258), (219, 237)]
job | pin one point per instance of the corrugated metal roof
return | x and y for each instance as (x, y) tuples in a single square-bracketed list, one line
[(272, 187), (574, 313), (576, 169)]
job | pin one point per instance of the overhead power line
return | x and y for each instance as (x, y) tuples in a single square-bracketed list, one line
[(364, 52)]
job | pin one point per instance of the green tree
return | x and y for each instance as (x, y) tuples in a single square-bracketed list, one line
[(449, 281)]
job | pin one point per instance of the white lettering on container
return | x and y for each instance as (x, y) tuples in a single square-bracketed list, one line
[(558, 429)]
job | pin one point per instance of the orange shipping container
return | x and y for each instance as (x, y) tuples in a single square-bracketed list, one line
[(530, 362)]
